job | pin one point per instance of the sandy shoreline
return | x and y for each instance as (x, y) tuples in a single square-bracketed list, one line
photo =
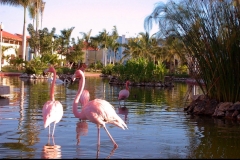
[(90, 74)]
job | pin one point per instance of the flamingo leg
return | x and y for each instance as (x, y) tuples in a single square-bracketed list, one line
[(53, 141), (98, 137), (111, 153), (48, 141), (53, 129), (115, 144), (49, 130), (98, 144)]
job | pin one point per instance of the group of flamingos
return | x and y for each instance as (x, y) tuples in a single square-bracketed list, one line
[(97, 111)]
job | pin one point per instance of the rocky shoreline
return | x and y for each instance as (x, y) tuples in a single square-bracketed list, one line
[(204, 106)]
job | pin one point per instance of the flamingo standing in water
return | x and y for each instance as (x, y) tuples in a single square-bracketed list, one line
[(124, 93), (52, 110), (97, 111)]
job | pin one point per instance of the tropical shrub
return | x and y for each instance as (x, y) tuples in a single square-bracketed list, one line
[(139, 70)]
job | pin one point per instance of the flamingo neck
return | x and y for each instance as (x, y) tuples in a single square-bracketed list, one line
[(127, 86), (78, 95), (52, 86)]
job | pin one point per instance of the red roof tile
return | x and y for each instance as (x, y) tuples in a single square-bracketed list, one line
[(89, 48), (17, 37)]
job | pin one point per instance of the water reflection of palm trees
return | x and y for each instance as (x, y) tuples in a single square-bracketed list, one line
[(51, 151)]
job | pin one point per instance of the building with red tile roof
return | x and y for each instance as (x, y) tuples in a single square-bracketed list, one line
[(14, 41)]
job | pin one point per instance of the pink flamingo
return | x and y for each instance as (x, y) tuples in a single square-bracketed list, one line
[(124, 93), (97, 111), (52, 110)]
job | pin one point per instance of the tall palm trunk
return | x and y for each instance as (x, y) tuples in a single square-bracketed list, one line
[(24, 36), (37, 23)]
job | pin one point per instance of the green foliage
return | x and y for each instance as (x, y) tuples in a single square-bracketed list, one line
[(50, 59), (76, 54), (65, 70), (43, 42), (159, 72), (137, 70), (108, 69), (11, 68), (182, 70), (38, 64), (35, 66), (97, 66)]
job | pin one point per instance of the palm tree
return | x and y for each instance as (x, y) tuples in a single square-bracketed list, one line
[(87, 42), (132, 49), (104, 38), (146, 44), (32, 13), (76, 54), (42, 6), (24, 4), (95, 44), (38, 8), (65, 37), (113, 44)]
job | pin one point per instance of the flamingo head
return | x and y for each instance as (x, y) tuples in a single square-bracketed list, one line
[(83, 67), (77, 74), (50, 69)]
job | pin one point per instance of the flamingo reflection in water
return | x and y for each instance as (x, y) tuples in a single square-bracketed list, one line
[(81, 130), (51, 151), (123, 111)]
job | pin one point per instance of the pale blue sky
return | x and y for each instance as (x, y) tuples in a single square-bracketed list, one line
[(127, 15)]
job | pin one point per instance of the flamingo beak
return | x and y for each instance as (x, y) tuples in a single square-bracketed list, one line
[(45, 71), (73, 77)]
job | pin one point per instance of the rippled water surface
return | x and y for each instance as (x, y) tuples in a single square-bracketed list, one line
[(157, 125)]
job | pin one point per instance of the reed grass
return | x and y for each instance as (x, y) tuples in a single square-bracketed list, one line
[(210, 32)]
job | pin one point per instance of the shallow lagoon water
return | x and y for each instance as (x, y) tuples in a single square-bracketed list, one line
[(157, 125)]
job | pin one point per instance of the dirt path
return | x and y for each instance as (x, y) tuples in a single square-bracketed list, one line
[(90, 74)]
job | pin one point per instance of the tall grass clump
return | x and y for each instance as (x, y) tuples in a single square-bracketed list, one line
[(210, 32)]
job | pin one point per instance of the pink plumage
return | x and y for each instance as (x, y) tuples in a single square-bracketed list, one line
[(85, 96), (97, 111), (52, 110), (124, 93)]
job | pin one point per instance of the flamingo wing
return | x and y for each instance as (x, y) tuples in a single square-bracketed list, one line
[(52, 112), (101, 112)]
